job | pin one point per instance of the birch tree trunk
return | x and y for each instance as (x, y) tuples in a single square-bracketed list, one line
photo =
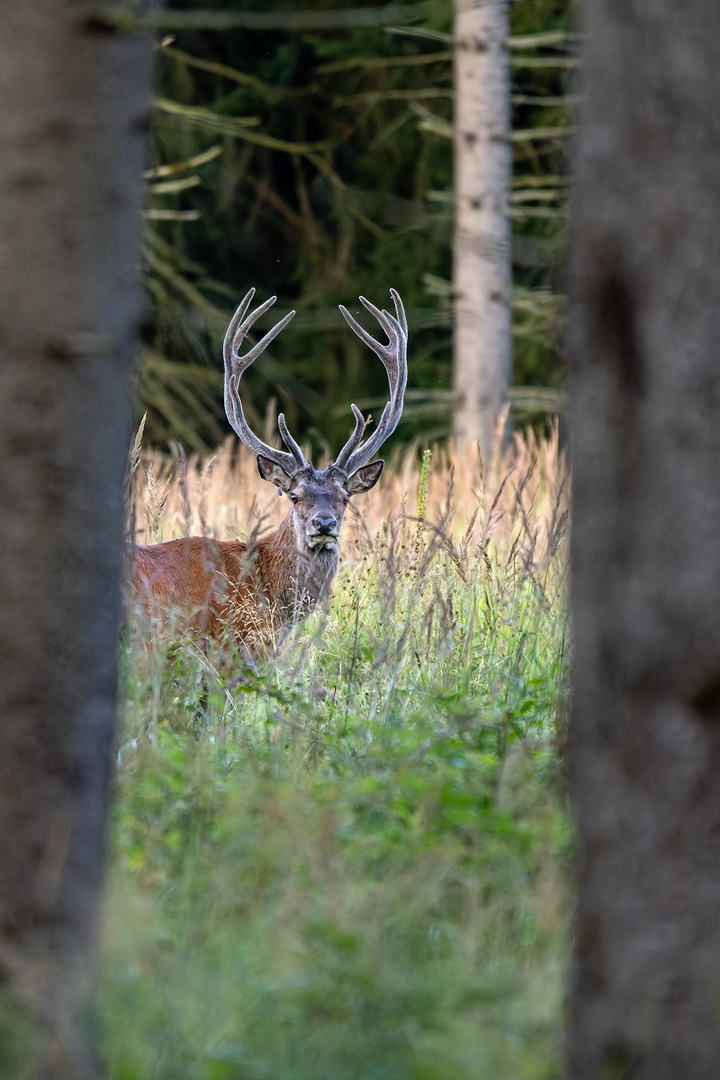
[(646, 281), (482, 279), (72, 133)]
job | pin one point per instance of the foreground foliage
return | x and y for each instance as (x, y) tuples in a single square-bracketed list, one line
[(348, 861)]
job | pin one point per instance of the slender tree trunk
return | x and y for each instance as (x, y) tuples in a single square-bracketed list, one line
[(482, 279), (646, 280), (75, 100)]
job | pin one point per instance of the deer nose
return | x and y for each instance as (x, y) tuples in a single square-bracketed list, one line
[(324, 524)]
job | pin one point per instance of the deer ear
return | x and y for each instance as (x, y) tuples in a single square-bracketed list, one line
[(364, 478), (274, 473)]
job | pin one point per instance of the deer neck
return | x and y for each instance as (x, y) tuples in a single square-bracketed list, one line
[(297, 577)]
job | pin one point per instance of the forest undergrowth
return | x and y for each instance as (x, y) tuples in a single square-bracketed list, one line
[(349, 862)]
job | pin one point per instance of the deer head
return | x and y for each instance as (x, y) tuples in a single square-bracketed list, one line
[(318, 498)]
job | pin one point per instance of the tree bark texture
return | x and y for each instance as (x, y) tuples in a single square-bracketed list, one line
[(72, 134), (646, 547), (482, 272)]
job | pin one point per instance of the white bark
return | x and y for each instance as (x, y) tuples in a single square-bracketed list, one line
[(482, 280)]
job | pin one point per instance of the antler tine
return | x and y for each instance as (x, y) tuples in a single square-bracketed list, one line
[(235, 335), (394, 360), (385, 320), (235, 365), (354, 440), (400, 311), (237, 318), (289, 441)]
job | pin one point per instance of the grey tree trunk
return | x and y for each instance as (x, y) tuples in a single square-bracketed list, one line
[(646, 281), (72, 133), (482, 278)]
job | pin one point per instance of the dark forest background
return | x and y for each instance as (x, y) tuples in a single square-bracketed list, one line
[(317, 165)]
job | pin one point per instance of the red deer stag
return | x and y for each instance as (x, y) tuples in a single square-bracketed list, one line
[(259, 592)]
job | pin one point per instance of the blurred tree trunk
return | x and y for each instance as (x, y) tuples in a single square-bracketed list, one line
[(482, 280), (646, 274), (72, 135)]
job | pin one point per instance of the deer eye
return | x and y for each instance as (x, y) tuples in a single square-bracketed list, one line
[(292, 498)]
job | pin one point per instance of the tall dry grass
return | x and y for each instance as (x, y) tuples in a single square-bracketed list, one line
[(366, 881), (521, 497)]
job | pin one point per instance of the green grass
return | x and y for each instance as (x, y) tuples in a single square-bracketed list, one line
[(349, 863)]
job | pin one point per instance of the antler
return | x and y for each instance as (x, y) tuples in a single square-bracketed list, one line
[(235, 365), (394, 359)]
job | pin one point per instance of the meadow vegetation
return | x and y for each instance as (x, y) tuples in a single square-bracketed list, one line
[(348, 861)]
